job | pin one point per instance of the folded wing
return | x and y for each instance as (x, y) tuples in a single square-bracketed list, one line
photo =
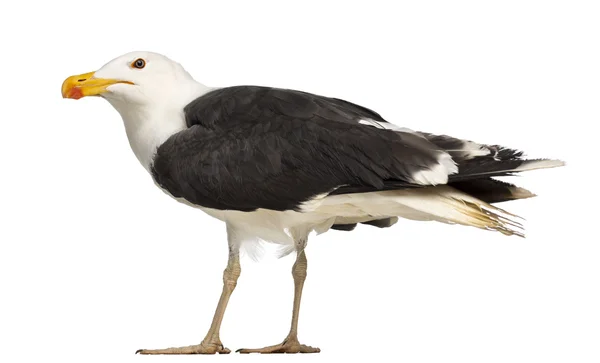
[(256, 147)]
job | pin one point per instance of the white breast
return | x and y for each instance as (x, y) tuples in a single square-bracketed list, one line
[(146, 132), (150, 124)]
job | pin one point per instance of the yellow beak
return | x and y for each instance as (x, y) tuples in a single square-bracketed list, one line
[(83, 85)]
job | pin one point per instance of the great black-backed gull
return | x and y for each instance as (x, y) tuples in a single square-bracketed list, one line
[(276, 164)]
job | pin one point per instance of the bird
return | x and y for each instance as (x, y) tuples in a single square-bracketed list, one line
[(276, 165)]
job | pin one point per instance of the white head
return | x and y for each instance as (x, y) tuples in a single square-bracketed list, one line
[(148, 89), (138, 78)]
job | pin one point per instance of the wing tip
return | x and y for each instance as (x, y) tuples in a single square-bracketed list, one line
[(540, 164)]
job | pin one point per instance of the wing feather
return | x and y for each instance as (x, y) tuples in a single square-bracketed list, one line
[(251, 147), (256, 147)]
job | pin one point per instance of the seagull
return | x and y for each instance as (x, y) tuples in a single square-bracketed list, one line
[(276, 165)]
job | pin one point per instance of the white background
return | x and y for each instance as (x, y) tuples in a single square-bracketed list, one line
[(96, 262)]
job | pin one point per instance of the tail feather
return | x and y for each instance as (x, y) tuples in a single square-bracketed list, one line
[(453, 206), (485, 216), (491, 190), (441, 203)]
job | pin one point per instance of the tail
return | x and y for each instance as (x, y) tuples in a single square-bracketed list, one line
[(466, 199), (449, 205), (441, 203), (473, 198)]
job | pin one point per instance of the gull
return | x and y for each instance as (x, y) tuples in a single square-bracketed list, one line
[(277, 164)]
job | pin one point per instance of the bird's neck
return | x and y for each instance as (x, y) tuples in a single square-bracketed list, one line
[(148, 126), (147, 129)]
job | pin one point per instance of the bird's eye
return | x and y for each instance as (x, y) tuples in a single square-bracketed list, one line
[(139, 63)]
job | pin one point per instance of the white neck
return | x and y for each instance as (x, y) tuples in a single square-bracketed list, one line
[(149, 125)]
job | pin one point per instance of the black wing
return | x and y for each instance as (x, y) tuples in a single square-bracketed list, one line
[(253, 147)]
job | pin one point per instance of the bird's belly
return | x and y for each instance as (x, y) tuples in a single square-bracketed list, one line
[(273, 226), (267, 225)]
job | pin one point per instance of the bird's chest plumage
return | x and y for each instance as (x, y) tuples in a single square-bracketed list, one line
[(148, 125), (146, 131)]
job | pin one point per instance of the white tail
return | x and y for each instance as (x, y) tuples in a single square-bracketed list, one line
[(442, 203)]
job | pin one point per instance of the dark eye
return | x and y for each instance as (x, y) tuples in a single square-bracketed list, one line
[(139, 63)]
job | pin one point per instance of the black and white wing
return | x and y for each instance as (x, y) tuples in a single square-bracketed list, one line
[(251, 147), (257, 147)]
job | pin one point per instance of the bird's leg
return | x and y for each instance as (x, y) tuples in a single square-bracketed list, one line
[(212, 342), (290, 343)]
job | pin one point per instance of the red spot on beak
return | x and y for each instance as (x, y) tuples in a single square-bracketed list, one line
[(75, 93)]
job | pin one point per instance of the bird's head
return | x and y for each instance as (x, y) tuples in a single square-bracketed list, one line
[(133, 78), (148, 90)]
